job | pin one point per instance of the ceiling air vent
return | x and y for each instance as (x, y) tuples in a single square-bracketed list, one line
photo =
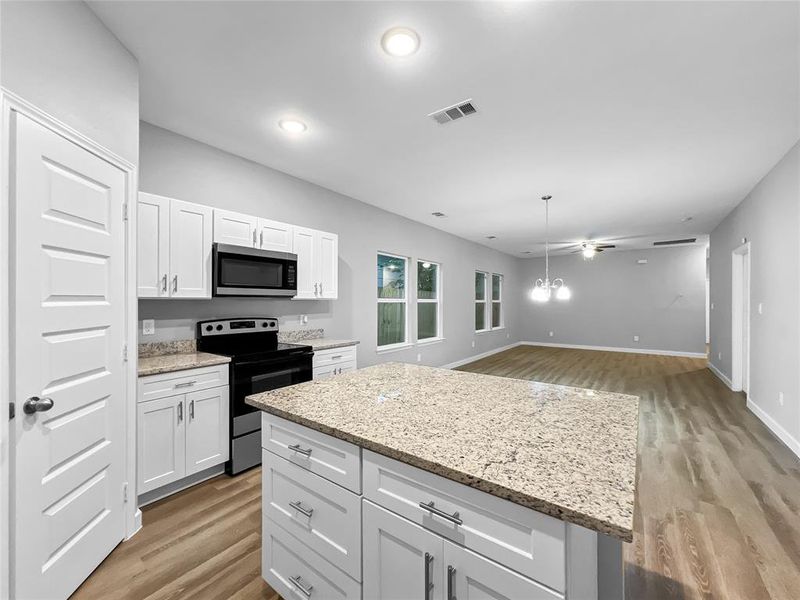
[(675, 242), (451, 113)]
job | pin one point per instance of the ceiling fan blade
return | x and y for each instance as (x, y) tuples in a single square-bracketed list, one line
[(603, 246)]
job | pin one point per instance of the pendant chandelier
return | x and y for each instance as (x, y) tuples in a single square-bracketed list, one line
[(544, 288)]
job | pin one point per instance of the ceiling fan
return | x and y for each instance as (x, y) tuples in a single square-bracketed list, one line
[(589, 248)]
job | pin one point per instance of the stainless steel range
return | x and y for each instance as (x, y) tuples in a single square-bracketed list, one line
[(258, 363)]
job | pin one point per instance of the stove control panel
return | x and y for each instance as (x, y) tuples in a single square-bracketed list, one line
[(233, 326)]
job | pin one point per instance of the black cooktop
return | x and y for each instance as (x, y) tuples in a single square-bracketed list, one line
[(250, 338)]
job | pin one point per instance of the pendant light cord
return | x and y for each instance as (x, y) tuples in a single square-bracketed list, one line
[(547, 242)]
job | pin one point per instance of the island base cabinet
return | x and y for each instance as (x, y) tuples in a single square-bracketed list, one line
[(296, 572), (401, 559)]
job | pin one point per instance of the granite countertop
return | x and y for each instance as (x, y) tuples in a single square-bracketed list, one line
[(166, 363), (327, 343), (563, 451)]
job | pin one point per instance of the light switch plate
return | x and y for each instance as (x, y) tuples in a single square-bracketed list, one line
[(636, 338), (148, 327)]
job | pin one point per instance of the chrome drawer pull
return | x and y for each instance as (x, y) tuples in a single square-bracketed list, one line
[(454, 518), (297, 448), (306, 590), (298, 506), (337, 357), (451, 582), (428, 582), (186, 383)]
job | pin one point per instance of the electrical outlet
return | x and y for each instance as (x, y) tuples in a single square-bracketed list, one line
[(719, 355), (303, 319), (712, 306), (761, 308), (551, 334), (636, 338), (148, 327), (473, 343), (780, 398), (508, 336), (419, 357)]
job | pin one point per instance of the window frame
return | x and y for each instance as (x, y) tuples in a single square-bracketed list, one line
[(499, 301), (487, 299), (404, 300), (438, 301)]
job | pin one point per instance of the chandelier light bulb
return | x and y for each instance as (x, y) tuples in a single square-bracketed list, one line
[(563, 293), (589, 251)]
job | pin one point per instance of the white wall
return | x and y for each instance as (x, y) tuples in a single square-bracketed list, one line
[(614, 299), (178, 167), (60, 57), (769, 218)]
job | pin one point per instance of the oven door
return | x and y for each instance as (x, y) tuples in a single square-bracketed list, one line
[(250, 377), (240, 271)]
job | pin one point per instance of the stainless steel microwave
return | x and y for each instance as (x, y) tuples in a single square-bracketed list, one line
[(241, 271)]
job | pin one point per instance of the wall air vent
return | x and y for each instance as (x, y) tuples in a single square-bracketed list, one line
[(461, 109), (675, 242), (438, 214)]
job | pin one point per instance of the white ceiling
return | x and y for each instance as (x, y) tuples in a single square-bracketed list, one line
[(632, 115)]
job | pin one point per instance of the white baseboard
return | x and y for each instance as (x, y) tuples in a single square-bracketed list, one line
[(613, 349), (475, 357), (774, 427), (722, 377)]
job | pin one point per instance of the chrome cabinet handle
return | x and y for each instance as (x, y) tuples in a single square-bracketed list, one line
[(191, 409), (337, 357), (428, 582), (451, 582), (164, 283), (254, 238), (320, 288), (454, 518), (186, 383), (35, 404), (298, 506), (180, 412), (175, 283), (316, 291), (306, 590), (298, 449), (261, 239)]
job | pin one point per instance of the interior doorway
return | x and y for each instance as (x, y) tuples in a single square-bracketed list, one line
[(740, 322)]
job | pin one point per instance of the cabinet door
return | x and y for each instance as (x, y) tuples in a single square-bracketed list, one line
[(160, 442), (328, 264), (274, 235), (189, 250), (206, 429), (152, 246), (304, 248), (400, 558), (470, 576), (235, 228)]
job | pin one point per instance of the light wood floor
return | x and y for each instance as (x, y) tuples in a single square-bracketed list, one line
[(718, 503)]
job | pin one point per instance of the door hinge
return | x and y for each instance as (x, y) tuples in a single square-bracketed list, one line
[(125, 211), (125, 352), (12, 410), (125, 492)]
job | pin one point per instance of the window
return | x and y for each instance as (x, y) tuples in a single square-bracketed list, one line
[(392, 294), (428, 295), (497, 301), (481, 282)]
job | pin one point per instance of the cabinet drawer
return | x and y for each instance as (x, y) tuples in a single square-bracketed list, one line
[(179, 382), (322, 515), (322, 454), (522, 539), (334, 369), (292, 570), (334, 356)]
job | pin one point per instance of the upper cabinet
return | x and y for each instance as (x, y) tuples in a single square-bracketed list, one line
[(274, 235), (254, 232), (173, 248), (317, 264)]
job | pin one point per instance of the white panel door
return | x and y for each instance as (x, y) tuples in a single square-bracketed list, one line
[(328, 264), (152, 246), (401, 559), (470, 576), (235, 228), (304, 247), (274, 235), (206, 429), (189, 250), (69, 293), (161, 442)]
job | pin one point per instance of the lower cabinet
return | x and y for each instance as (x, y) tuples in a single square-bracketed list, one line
[(334, 361), (179, 435), (403, 560)]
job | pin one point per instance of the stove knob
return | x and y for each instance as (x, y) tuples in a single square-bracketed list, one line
[(264, 324), (209, 327), (219, 327), (272, 324)]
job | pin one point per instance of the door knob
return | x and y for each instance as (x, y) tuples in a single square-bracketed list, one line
[(35, 404)]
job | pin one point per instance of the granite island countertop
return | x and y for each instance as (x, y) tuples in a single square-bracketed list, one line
[(167, 363), (567, 452)]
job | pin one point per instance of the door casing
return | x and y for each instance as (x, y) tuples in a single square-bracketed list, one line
[(9, 103)]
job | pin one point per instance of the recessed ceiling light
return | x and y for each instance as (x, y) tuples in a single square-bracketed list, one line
[(400, 41), (292, 125)]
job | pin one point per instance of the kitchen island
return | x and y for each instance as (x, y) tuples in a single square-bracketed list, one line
[(454, 485)]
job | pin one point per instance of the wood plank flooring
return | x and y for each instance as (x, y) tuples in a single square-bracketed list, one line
[(718, 503)]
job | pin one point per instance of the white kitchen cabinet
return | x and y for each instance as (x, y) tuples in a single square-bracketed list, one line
[(235, 228), (160, 442), (317, 264), (334, 361), (206, 429), (181, 431), (401, 559), (274, 235), (152, 247), (173, 248)]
